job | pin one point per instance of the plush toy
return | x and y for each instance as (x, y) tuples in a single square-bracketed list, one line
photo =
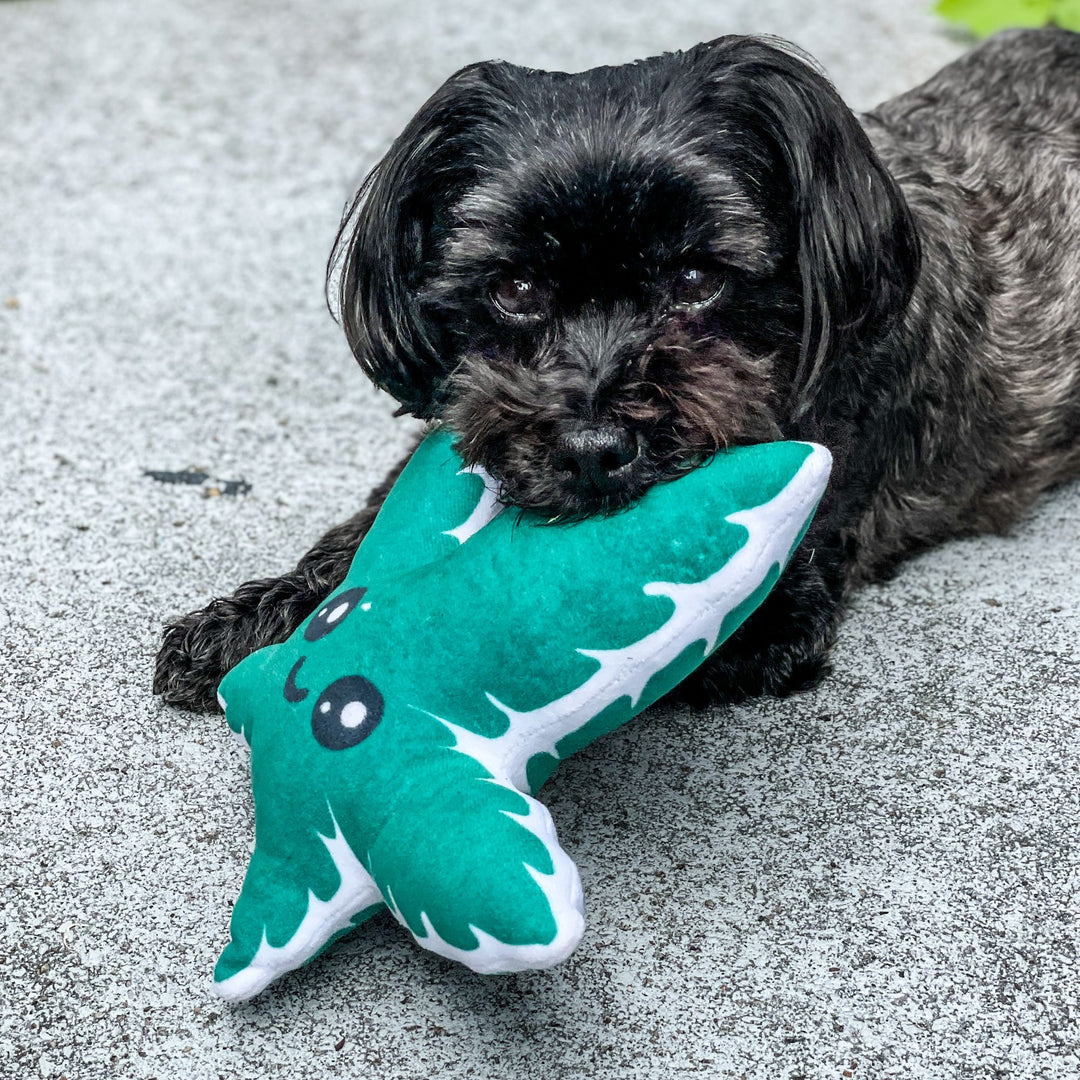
[(397, 736)]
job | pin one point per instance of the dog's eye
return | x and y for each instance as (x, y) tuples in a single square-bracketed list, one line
[(520, 298), (696, 286)]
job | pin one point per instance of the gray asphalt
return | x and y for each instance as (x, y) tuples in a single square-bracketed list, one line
[(879, 879)]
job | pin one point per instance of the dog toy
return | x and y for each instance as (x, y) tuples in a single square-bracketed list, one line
[(984, 17), (397, 737)]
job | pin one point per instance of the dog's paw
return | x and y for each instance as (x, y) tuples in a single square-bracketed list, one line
[(781, 649), (190, 662), (728, 679), (201, 648)]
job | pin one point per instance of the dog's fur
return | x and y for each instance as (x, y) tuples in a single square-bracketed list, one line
[(904, 288)]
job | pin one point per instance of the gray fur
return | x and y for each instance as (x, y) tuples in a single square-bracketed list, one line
[(987, 154)]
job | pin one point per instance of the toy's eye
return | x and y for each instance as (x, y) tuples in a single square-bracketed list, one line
[(330, 615), (346, 713), (696, 286)]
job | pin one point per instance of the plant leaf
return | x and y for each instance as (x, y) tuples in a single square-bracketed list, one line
[(984, 17)]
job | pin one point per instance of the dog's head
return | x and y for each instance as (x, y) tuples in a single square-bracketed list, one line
[(598, 279)]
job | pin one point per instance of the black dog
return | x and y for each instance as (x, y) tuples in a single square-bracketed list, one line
[(596, 280)]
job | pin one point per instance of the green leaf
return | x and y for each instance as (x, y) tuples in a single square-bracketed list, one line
[(984, 17), (1067, 14)]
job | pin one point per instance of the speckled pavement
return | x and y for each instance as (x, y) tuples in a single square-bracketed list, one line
[(879, 879)]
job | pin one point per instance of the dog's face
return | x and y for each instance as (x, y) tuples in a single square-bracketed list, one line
[(599, 279)]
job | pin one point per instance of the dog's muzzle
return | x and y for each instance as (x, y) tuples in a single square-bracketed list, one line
[(595, 459)]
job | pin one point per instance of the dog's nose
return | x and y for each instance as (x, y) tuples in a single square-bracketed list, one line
[(595, 453)]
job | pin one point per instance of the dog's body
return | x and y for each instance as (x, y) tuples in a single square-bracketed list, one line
[(597, 279)]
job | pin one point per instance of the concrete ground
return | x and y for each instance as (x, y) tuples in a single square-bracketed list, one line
[(879, 879)]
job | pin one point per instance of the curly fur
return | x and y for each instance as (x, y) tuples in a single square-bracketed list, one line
[(903, 287), (198, 649)]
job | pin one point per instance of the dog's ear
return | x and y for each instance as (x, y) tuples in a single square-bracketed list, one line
[(392, 230), (858, 251)]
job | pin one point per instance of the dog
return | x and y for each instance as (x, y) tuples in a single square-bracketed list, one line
[(597, 280)]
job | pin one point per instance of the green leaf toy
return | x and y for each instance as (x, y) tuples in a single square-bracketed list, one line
[(398, 736)]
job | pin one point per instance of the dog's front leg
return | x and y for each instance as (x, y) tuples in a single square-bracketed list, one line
[(783, 647), (198, 649)]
